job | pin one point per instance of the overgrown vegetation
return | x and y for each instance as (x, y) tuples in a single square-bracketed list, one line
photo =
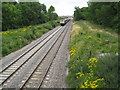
[(94, 48), (102, 13), (17, 15), (93, 60), (16, 39)]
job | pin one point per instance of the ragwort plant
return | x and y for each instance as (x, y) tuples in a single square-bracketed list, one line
[(86, 68), (16, 39)]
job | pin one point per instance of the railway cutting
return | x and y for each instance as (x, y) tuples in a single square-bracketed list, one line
[(41, 65)]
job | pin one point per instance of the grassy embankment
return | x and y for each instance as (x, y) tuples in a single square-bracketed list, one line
[(16, 39), (87, 68)]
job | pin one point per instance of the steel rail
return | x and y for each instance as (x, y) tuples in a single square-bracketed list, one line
[(27, 80), (28, 58), (26, 52), (52, 60)]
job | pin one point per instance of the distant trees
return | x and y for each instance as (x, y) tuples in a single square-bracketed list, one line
[(23, 14), (103, 13), (51, 13), (10, 16), (78, 14)]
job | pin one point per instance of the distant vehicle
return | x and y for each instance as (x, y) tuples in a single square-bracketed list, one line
[(64, 21)]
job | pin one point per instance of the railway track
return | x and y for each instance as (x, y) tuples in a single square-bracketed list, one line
[(30, 49), (13, 58), (30, 68)]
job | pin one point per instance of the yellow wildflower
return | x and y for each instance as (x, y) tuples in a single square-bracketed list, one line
[(86, 82), (77, 77), (24, 30), (100, 79), (72, 54), (94, 86), (89, 37), (79, 74), (82, 86), (93, 60)]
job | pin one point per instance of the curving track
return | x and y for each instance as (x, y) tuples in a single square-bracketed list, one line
[(31, 67)]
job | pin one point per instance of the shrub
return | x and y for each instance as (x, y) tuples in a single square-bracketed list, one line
[(87, 68), (16, 39)]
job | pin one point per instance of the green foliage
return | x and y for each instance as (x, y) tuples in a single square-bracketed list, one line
[(16, 39), (10, 16), (87, 68), (51, 13), (110, 71), (102, 13), (51, 9), (24, 14), (47, 26), (78, 14)]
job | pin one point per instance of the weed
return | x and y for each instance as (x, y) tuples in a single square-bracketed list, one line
[(87, 68), (16, 39)]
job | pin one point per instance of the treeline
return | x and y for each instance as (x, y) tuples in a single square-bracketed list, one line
[(102, 13), (16, 15)]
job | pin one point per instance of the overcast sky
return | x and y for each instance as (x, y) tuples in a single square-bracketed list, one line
[(64, 7)]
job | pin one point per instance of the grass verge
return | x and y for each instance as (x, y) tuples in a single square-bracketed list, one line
[(93, 60), (16, 39)]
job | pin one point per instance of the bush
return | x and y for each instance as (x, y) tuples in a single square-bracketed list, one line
[(16, 39), (87, 69)]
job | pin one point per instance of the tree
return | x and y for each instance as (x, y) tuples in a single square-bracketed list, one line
[(44, 13), (51, 13), (104, 13), (78, 15), (16, 15), (10, 16), (51, 9)]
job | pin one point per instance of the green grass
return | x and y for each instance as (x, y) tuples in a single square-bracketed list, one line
[(16, 39), (86, 69), (99, 27)]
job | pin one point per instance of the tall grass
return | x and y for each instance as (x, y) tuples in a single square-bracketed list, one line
[(87, 67), (16, 39)]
